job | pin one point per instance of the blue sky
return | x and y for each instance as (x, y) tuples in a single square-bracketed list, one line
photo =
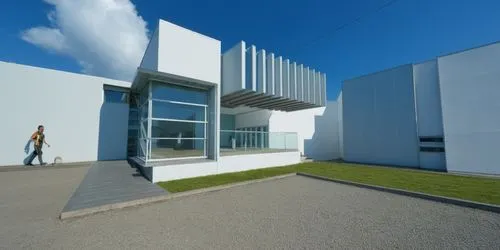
[(407, 31)]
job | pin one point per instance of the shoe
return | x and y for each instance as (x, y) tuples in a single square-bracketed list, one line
[(43, 164), (29, 164)]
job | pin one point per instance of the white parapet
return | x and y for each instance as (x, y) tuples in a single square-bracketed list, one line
[(181, 53), (226, 164)]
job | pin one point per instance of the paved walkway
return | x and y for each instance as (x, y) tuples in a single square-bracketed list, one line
[(291, 213), (38, 167), (110, 182)]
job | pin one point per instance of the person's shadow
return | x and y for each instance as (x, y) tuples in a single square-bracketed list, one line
[(27, 151)]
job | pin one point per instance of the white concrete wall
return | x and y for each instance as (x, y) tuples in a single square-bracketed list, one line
[(226, 164), (183, 52), (70, 107), (183, 171), (470, 99), (428, 107), (379, 118), (238, 163), (317, 130)]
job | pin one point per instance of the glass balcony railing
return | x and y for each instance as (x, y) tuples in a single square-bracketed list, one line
[(234, 142)]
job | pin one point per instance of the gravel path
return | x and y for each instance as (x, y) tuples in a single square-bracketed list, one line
[(291, 213)]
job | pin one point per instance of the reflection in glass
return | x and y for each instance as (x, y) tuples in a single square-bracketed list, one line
[(113, 96), (178, 93), (176, 148), (168, 110), (171, 129)]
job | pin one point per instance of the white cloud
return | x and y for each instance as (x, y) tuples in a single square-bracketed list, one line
[(106, 37)]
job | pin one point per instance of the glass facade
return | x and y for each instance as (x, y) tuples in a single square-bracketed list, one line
[(173, 122), (133, 127), (255, 140), (115, 96)]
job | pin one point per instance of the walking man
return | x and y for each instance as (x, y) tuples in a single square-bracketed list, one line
[(39, 139)]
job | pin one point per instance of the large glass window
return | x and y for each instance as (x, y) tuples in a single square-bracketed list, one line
[(114, 94), (177, 123), (176, 148), (178, 111), (176, 93), (177, 129)]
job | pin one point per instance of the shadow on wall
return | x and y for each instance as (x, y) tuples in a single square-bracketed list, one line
[(113, 132), (324, 144)]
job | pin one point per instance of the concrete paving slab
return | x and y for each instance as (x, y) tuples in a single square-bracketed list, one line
[(111, 182)]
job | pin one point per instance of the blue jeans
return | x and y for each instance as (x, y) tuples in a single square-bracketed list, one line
[(36, 152)]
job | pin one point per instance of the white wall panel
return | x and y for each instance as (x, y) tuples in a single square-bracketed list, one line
[(306, 85), (379, 118), (293, 81), (286, 78), (79, 126), (188, 54), (182, 171), (470, 100), (300, 82), (251, 68), (261, 72), (270, 74), (237, 163), (278, 76)]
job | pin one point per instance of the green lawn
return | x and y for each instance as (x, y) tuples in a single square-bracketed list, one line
[(479, 189)]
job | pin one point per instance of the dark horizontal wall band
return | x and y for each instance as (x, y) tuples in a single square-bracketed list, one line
[(431, 139), (432, 149)]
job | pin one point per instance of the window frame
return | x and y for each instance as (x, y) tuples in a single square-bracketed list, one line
[(150, 118)]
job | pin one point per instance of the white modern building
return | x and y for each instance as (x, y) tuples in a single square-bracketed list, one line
[(442, 114), (190, 111)]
